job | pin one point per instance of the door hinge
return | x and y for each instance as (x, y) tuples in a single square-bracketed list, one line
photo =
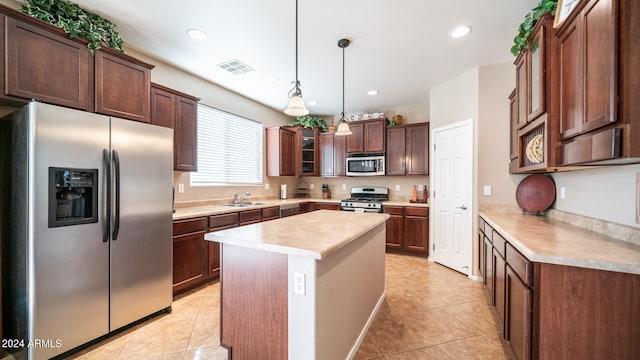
[(433, 247), (434, 147)]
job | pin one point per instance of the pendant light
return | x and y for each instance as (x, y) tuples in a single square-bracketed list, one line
[(343, 127), (296, 103)]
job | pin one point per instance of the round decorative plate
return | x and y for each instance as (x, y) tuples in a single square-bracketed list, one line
[(534, 150), (535, 193)]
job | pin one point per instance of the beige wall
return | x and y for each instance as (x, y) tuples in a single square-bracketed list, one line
[(496, 83)]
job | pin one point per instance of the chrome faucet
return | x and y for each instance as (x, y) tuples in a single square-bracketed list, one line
[(245, 197), (236, 198)]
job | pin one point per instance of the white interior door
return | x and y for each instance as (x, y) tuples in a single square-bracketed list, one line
[(451, 202)]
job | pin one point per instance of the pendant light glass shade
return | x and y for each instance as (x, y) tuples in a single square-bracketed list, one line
[(296, 103), (343, 127), (296, 107)]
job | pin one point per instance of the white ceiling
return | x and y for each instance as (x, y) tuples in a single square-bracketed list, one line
[(401, 48)]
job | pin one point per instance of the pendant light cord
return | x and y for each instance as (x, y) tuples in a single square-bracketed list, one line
[(342, 117), (297, 85)]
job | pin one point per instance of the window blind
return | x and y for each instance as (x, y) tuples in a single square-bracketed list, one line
[(229, 149)]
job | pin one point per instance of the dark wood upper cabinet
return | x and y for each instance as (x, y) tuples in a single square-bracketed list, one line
[(327, 159), (536, 99), (179, 111), (340, 155), (396, 151), (521, 89), (417, 149), (355, 141), (599, 83), (408, 149), (40, 63), (163, 107), (366, 136), (513, 139), (123, 86), (333, 153), (281, 151)]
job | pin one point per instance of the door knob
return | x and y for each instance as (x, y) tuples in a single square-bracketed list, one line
[(462, 207)]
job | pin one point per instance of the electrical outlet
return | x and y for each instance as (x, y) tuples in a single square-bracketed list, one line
[(562, 193), (180, 188), (298, 283), (266, 186), (487, 190), (420, 187), (311, 186), (397, 187), (344, 186), (638, 198)]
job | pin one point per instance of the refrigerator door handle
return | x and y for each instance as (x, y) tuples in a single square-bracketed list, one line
[(116, 217), (107, 217)]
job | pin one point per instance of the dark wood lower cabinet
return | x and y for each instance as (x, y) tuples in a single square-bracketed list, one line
[(551, 311), (189, 261), (325, 206), (395, 227), (517, 320), (408, 229)]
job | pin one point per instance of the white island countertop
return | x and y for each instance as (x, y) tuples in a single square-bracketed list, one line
[(315, 235)]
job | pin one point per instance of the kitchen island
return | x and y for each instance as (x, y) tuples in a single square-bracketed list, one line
[(301, 287)]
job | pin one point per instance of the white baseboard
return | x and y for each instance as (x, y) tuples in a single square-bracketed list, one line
[(363, 333), (475, 277)]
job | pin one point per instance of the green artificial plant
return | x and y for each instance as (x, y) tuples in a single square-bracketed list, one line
[(310, 122), (76, 22), (521, 41)]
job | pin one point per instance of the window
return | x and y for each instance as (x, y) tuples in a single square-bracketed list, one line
[(229, 149)]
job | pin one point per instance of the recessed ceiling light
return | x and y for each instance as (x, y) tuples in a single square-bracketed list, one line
[(372, 92), (313, 103), (272, 78), (460, 31), (196, 34)]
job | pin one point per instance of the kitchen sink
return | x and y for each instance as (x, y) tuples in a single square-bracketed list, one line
[(248, 204)]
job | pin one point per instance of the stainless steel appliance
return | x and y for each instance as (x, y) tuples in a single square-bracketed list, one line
[(86, 226), (365, 164), (365, 198)]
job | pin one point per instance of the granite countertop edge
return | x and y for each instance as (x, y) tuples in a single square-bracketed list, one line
[(596, 260), (234, 236)]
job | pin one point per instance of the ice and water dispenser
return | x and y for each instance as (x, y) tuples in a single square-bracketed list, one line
[(73, 196)]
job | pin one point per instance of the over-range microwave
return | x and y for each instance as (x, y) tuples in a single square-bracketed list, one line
[(369, 164)]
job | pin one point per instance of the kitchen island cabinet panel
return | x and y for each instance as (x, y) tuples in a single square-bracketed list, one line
[(122, 86), (43, 65)]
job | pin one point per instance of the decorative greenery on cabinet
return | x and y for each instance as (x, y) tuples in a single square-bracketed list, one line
[(76, 22), (310, 122), (521, 41)]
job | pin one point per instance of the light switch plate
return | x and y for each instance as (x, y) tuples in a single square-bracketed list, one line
[(311, 186), (487, 190), (638, 198), (180, 188), (397, 187), (266, 186)]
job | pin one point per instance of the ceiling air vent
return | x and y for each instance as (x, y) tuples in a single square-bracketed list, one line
[(235, 67)]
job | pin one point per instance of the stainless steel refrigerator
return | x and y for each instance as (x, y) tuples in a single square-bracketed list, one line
[(86, 207)]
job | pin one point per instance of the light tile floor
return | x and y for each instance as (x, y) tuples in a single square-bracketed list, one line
[(430, 312)]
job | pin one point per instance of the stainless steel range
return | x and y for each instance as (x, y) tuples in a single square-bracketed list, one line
[(365, 198)]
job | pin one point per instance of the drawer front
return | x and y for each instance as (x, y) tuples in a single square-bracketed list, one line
[(271, 213), (393, 210), (250, 216), (488, 231), (189, 225), (415, 211), (499, 243), (481, 225), (520, 265), (225, 220)]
